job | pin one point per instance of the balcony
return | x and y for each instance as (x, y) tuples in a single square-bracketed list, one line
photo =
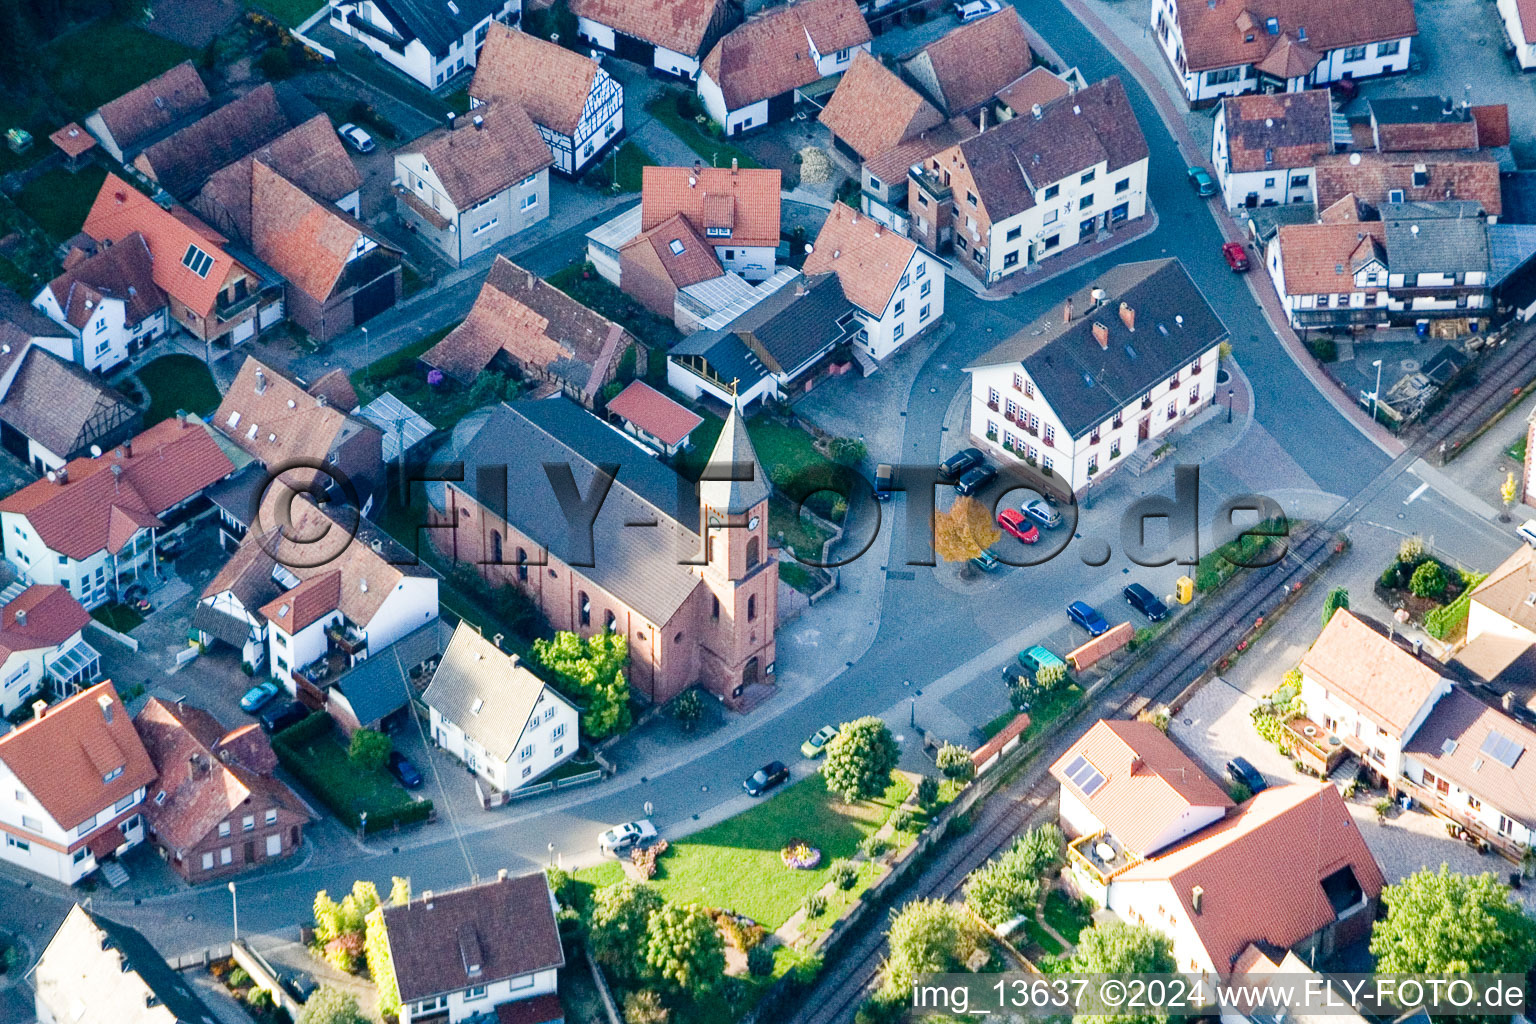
[(929, 182), (348, 639), (1316, 747), (1101, 857), (228, 310)]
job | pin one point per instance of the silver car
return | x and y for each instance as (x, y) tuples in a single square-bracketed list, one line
[(356, 137)]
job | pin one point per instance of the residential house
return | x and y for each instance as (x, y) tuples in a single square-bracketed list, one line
[(21, 325), (1500, 652), (1038, 85), (217, 807), (653, 418), (1365, 688), (753, 75), (294, 434), (181, 162), (96, 521), (1265, 146), (1385, 181), (488, 949), (376, 693), (72, 786), (108, 302), (310, 155), (1332, 273), (426, 41), (1121, 364), (1408, 124), (52, 411), (42, 645), (962, 70), (1225, 47), (524, 325), (467, 189), (711, 622), (1034, 186), (576, 105), (886, 126), (671, 36), (125, 124), (775, 348), (496, 716), (96, 971), (213, 294), (895, 285), (339, 272), (1258, 968), (311, 611), (1519, 17)]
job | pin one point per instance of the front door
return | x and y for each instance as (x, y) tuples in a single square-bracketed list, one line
[(250, 852), (1144, 428)]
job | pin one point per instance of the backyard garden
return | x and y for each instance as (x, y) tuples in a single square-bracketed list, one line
[(1427, 592), (349, 781), (171, 383), (583, 283), (684, 114)]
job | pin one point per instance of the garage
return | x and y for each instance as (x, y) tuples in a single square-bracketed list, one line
[(373, 299), (270, 315), (245, 330)]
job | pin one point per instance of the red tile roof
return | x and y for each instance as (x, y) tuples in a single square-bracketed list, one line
[(1149, 782), (1261, 870), (772, 54), (1463, 724), (548, 81), (73, 140), (309, 242), (62, 757), (1037, 85), (754, 211), (1321, 259), (123, 271), (682, 26), (872, 110), (868, 257), (100, 503), (274, 420), (121, 210), (696, 262), (154, 106), (970, 64), (1288, 129), (1371, 673), (477, 162), (1492, 125), (305, 604), (1372, 177), (654, 413), (181, 162), (43, 615), (311, 156), (1216, 34)]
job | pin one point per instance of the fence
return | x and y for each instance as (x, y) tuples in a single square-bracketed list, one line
[(549, 787), (202, 958), (265, 977), (112, 634), (601, 984)]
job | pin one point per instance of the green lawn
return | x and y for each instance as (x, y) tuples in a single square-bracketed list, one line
[(713, 151), (120, 617), (458, 101), (623, 167), (799, 577), (1516, 450), (59, 200), (99, 61), (736, 864), (400, 374), (803, 536), (1067, 915), (1040, 937), (1049, 708), (691, 462), (583, 284), (175, 382), (288, 13), (346, 785)]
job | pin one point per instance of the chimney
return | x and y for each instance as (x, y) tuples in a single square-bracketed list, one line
[(1196, 898), (128, 449), (39, 708), (983, 125), (1101, 335), (479, 123), (321, 401), (1128, 317), (1450, 107), (21, 616), (733, 167), (261, 382), (1066, 311), (192, 768), (451, 117), (63, 474), (1137, 766), (426, 899), (1035, 110), (1418, 647), (105, 703), (1508, 702), (501, 876)]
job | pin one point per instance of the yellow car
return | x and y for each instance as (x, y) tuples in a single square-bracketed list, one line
[(817, 744)]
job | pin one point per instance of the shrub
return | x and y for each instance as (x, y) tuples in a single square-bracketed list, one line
[(815, 905), (345, 952), (844, 873), (369, 749), (1051, 676), (760, 961), (1428, 580), (1382, 807), (644, 858), (1240, 793), (901, 819), (688, 708), (238, 978), (847, 451), (1411, 551), (259, 998), (955, 762), (873, 846), (928, 791), (644, 1007), (275, 63)]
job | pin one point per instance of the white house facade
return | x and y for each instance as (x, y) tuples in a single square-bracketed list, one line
[(108, 338), (1519, 17), (605, 37), (430, 50), (602, 121)]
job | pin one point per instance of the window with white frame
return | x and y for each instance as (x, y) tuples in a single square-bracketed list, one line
[(530, 201), (525, 753)]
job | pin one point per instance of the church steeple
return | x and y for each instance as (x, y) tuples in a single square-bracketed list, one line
[(734, 449)]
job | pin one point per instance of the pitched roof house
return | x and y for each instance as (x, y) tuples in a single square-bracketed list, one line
[(428, 41), (966, 67), (477, 949), (495, 715), (40, 640), (96, 971), (1519, 17), (1265, 146), (873, 110), (1406, 124), (217, 808), (577, 106), (181, 162), (123, 125), (310, 155), (74, 781), (108, 302), (671, 36), (521, 323), (750, 77), (58, 411), (97, 520)]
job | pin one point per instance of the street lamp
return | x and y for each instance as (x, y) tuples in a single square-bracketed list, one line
[(551, 854), (1230, 392), (912, 712), (234, 902), (1376, 395)]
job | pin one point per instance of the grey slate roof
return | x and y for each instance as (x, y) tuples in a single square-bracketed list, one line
[(437, 23), (380, 684), (1085, 384), (231, 629), (1436, 245), (1510, 247), (790, 326), (474, 672), (640, 565), (734, 456)]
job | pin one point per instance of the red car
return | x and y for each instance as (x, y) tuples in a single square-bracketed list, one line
[(1014, 522), (1236, 255)]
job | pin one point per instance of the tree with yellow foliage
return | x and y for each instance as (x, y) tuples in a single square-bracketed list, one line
[(965, 531)]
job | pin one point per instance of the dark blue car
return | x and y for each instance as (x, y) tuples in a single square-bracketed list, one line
[(1085, 615), (403, 770)]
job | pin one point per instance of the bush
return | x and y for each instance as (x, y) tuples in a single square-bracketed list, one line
[(369, 750), (760, 961), (901, 819), (1051, 676), (688, 708), (238, 978), (1240, 793), (847, 451), (1411, 551), (928, 791), (275, 63), (815, 905), (1428, 580), (1324, 350), (345, 952), (844, 873), (644, 1007), (873, 846), (259, 999), (955, 762)]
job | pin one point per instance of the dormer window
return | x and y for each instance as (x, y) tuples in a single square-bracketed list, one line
[(718, 232), (114, 773)]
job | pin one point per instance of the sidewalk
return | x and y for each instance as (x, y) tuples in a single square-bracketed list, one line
[(1039, 273)]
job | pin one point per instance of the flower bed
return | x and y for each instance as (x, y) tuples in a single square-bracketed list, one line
[(800, 855)]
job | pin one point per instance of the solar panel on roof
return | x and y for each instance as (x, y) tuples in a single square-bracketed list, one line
[(1501, 748), (1084, 776)]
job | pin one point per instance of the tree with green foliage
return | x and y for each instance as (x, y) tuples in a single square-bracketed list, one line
[(1337, 598), (955, 762), (381, 965), (860, 760), (1120, 948), (592, 672), (847, 451), (327, 917), (928, 936), (1440, 922), (927, 790), (616, 927), (1428, 580), (331, 1006), (688, 708), (998, 892), (369, 749), (1043, 849), (683, 949), (399, 891), (486, 388)]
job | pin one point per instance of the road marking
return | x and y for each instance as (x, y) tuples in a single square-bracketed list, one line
[(1416, 492)]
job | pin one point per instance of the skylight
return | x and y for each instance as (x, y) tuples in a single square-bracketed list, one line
[(1084, 776), (676, 245), (1501, 748), (197, 261)]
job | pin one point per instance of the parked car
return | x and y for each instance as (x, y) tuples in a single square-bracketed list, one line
[(975, 479), (299, 985), (1085, 615), (986, 561), (135, 593), (954, 467), (356, 137), (1527, 531), (885, 474), (1346, 89), (1236, 256), (171, 548), (1014, 674), (974, 9), (1016, 525), (403, 770), (621, 838), (259, 696), (817, 744), (1240, 770), (1204, 184), (1146, 602), (1035, 658), (1041, 513), (277, 719), (765, 778)]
